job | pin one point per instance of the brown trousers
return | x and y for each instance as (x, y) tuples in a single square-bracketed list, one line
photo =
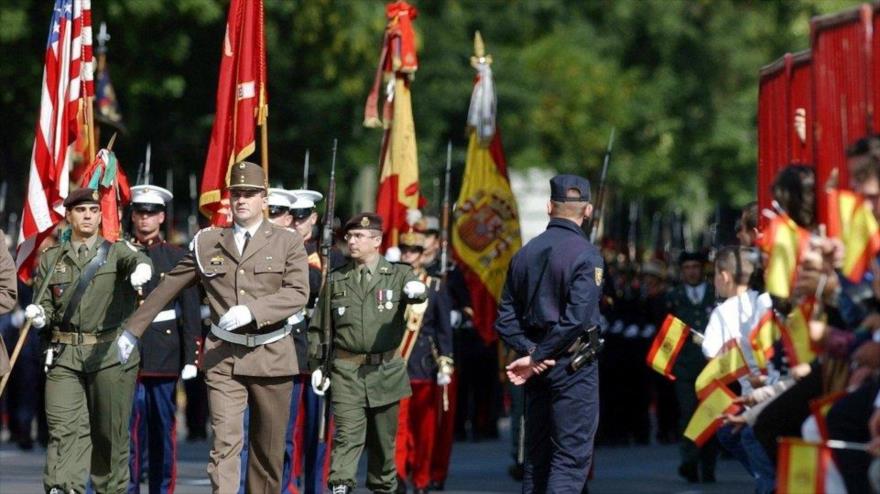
[(269, 400)]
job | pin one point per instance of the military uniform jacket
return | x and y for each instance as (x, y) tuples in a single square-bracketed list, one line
[(690, 359), (270, 279), (169, 345), (8, 294), (361, 326), (106, 302), (435, 337), (551, 294)]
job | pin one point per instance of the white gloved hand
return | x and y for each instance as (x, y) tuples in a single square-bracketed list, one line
[(236, 317), (189, 371), (443, 378), (414, 289), (392, 254), (36, 314), (204, 312), (455, 318), (141, 275), (125, 344), (320, 383)]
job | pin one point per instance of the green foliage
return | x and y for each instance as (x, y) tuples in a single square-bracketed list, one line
[(677, 78)]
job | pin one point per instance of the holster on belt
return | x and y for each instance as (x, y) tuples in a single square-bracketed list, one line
[(585, 349)]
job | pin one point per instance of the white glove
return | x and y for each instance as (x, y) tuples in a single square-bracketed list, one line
[(36, 314), (320, 384), (414, 289), (189, 371), (392, 254), (141, 275), (125, 344), (443, 378), (455, 318), (236, 317)]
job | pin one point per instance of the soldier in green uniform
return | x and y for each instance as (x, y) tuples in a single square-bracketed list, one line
[(368, 297), (692, 302), (91, 291)]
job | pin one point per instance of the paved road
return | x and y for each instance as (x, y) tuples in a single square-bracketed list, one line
[(476, 467)]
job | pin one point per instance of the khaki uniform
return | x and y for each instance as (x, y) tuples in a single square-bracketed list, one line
[(8, 295), (365, 395), (271, 279), (88, 393)]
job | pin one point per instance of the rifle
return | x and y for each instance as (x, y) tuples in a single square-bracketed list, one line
[(192, 221), (444, 226), (326, 313), (593, 228), (306, 171), (169, 215)]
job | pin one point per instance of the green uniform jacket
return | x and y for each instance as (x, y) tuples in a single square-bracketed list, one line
[(106, 303), (691, 360), (360, 326)]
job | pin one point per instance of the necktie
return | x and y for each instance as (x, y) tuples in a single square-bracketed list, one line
[(82, 251), (247, 239), (365, 277)]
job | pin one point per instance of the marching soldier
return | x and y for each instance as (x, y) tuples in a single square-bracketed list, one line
[(427, 348), (255, 277), (368, 297), (89, 393), (170, 348), (8, 295)]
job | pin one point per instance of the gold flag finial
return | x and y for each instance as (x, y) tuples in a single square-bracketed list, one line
[(480, 56)]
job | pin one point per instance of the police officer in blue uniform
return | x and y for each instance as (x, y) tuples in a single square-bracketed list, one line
[(170, 349), (548, 314)]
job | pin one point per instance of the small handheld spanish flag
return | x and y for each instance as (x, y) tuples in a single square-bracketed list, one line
[(819, 409), (796, 335), (726, 367), (801, 466), (710, 413), (785, 243), (667, 344), (762, 338), (853, 222)]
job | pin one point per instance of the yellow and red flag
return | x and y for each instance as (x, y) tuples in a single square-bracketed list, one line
[(851, 220), (242, 104), (785, 243), (485, 230), (796, 338), (725, 368), (801, 466), (398, 158), (819, 408), (762, 338), (668, 342), (710, 413)]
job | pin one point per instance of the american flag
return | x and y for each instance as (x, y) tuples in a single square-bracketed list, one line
[(67, 83)]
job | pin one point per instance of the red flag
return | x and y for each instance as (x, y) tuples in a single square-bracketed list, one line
[(241, 105), (398, 158), (67, 83), (106, 176)]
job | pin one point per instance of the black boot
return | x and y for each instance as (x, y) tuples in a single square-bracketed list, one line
[(689, 472)]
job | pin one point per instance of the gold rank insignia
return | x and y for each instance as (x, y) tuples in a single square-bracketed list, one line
[(598, 276), (217, 261), (365, 222), (95, 195)]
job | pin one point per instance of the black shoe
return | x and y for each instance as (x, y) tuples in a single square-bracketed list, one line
[(516, 471), (401, 485), (436, 485), (689, 473)]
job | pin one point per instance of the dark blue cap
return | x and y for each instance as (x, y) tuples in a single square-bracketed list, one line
[(561, 184)]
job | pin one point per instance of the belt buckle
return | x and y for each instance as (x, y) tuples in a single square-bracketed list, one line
[(78, 338), (250, 340), (374, 358)]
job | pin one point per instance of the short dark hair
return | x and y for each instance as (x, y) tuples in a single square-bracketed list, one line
[(569, 209), (866, 169), (750, 215), (795, 191), (739, 261)]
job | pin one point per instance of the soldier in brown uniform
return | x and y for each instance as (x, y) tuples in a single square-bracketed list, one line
[(255, 276), (8, 295)]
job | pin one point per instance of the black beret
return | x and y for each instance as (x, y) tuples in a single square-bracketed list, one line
[(364, 221), (82, 196)]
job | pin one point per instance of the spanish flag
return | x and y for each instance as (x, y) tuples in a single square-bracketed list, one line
[(785, 242), (851, 220), (485, 228), (725, 368), (668, 342), (796, 335), (709, 414), (762, 338), (819, 408), (241, 105), (398, 156), (801, 466)]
